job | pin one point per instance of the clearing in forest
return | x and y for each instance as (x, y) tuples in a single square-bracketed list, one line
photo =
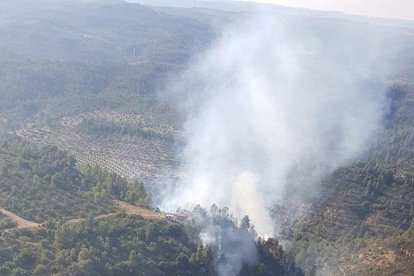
[(21, 222)]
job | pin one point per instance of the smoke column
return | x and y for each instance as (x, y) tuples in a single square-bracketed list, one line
[(270, 105)]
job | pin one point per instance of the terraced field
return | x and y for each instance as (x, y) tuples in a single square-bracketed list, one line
[(145, 155)]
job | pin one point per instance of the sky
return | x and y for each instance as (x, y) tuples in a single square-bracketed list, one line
[(398, 9)]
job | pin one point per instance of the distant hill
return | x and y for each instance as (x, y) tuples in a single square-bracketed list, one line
[(246, 6), (97, 31)]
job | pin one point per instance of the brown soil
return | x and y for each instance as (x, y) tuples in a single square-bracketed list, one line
[(21, 222), (135, 210)]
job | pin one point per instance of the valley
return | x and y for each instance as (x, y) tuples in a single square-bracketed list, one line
[(109, 108)]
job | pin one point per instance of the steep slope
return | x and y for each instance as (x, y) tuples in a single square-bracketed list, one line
[(43, 183), (41, 92), (368, 206), (94, 223), (39, 184)]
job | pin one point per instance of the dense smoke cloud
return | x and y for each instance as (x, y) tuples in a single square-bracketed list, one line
[(233, 246), (275, 104)]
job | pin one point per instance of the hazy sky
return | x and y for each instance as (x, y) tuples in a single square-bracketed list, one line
[(402, 9)]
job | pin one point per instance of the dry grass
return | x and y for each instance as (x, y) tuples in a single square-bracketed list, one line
[(135, 210), (21, 222)]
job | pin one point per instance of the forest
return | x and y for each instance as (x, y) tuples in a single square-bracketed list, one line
[(81, 232), (92, 126)]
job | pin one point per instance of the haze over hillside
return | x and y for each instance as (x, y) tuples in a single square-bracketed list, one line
[(204, 138)]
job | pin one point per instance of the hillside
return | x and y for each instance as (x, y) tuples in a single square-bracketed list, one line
[(367, 209), (59, 218), (80, 56), (91, 131), (40, 183), (96, 32)]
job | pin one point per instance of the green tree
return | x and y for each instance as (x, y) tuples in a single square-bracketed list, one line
[(245, 222)]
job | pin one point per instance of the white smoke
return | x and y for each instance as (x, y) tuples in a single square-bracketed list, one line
[(233, 247), (270, 100)]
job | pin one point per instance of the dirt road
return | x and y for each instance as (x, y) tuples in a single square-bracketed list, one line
[(123, 207), (21, 222), (136, 210), (127, 208)]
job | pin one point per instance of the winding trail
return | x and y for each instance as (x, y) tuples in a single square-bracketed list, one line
[(21, 222), (136, 210), (127, 208), (122, 206)]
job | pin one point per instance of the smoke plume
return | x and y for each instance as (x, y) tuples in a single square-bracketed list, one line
[(277, 102)]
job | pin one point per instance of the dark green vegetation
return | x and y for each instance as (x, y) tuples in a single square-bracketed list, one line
[(367, 208), (40, 183), (6, 222), (45, 91), (66, 57), (43, 184), (121, 245)]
